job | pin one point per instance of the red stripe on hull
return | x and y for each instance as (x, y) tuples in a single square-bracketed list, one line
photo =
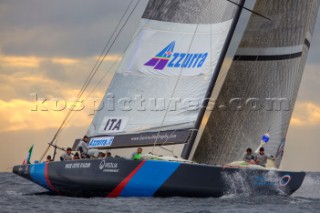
[(46, 176), (117, 191)]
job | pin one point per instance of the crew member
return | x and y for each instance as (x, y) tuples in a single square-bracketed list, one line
[(261, 157), (137, 155), (49, 159), (84, 149), (248, 156), (67, 155)]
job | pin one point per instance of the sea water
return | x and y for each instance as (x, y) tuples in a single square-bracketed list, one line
[(20, 195)]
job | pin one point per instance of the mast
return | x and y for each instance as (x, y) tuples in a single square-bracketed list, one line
[(188, 147)]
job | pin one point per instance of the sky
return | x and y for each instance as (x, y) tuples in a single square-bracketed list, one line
[(47, 50)]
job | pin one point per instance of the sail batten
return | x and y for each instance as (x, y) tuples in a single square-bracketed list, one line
[(271, 53)]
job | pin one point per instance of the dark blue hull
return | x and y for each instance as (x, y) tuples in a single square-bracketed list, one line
[(115, 177)]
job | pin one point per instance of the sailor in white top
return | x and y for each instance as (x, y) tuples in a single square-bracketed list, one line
[(261, 157), (84, 149), (67, 155)]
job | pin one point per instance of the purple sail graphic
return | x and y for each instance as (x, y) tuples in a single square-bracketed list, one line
[(160, 61)]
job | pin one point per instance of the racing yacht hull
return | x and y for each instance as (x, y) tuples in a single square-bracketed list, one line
[(116, 177)]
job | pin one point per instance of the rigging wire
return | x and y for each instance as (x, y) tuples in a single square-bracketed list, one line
[(108, 70), (223, 75), (189, 48), (94, 70), (99, 60), (173, 146), (251, 11), (175, 87)]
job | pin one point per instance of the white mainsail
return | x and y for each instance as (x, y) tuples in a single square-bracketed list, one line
[(157, 92)]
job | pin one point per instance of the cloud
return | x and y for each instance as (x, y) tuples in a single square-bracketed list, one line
[(24, 115), (19, 61), (63, 29), (50, 77), (306, 114), (19, 85), (309, 86)]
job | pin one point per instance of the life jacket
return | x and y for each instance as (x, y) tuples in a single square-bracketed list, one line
[(137, 156)]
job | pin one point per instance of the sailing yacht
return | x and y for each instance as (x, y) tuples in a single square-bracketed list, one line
[(174, 59)]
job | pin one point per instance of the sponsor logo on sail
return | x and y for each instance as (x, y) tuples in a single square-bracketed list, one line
[(101, 142), (168, 58)]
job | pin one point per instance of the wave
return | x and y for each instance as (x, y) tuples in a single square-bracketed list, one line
[(310, 187)]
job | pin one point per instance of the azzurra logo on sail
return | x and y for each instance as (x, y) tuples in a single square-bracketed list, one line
[(168, 58)]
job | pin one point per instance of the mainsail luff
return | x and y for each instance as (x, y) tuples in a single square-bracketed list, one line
[(269, 64), (187, 28)]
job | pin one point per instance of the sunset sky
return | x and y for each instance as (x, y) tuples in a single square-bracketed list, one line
[(47, 50)]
